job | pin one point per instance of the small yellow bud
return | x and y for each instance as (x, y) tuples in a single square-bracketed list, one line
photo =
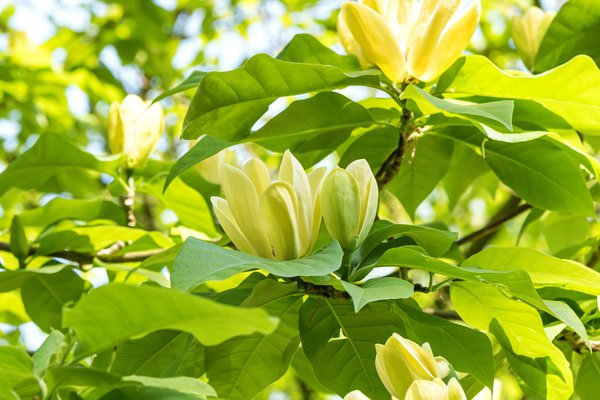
[(349, 203), (278, 220), (134, 128), (408, 38), (400, 362), (529, 31)]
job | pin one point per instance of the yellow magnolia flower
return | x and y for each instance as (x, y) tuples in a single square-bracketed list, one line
[(418, 38), (349, 203), (356, 395), (529, 31), (400, 362), (134, 127), (278, 220), (435, 390), (211, 168)]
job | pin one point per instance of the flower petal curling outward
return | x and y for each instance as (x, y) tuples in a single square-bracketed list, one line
[(243, 201), (341, 208), (356, 395), (134, 128), (278, 211), (529, 31), (229, 225), (426, 390), (375, 38)]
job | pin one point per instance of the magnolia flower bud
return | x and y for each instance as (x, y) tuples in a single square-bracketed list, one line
[(400, 362), (134, 127), (408, 38), (529, 31), (435, 390), (278, 220), (349, 203)]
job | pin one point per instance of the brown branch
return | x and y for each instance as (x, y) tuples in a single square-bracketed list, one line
[(509, 211), (128, 201), (391, 166)]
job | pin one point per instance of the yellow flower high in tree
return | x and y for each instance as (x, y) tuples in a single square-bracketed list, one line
[(408, 38), (134, 128), (529, 31), (278, 220)]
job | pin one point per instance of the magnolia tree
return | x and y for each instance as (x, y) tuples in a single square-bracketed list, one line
[(307, 279)]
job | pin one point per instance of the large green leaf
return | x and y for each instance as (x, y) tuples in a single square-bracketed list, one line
[(422, 168), (519, 329), (544, 270), (539, 170), (160, 354), (227, 104), (465, 167), (200, 262), (10, 280), (587, 385), (44, 296), (101, 322), (577, 101), (192, 81), (495, 113), (242, 367), (52, 154), (76, 209), (319, 123), (16, 374), (374, 144), (574, 30), (304, 48), (378, 289)]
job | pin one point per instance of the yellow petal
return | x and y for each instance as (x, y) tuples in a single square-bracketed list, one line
[(392, 370), (349, 42), (243, 201), (229, 225), (426, 390), (115, 129), (369, 195), (340, 206), (356, 395), (258, 173), (150, 128), (455, 391), (315, 179), (375, 38), (529, 31), (278, 207), (416, 359), (292, 172)]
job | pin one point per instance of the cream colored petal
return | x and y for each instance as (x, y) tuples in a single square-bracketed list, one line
[(426, 390), (369, 194), (243, 201), (115, 129), (529, 31), (292, 172), (356, 395), (340, 206), (315, 179), (229, 225), (349, 42), (392, 371), (453, 43), (455, 391), (258, 173), (413, 356), (427, 358), (150, 127), (376, 39), (278, 207), (426, 35)]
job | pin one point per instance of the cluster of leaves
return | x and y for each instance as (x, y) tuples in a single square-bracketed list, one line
[(226, 324)]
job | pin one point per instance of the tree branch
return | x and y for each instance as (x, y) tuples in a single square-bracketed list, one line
[(509, 211)]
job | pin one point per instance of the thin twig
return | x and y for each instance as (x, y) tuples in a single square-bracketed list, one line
[(128, 201)]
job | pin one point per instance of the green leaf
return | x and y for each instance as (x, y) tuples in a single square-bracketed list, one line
[(465, 167), (492, 113), (191, 82), (519, 329), (200, 262), (189, 205), (78, 376), (304, 48), (10, 280), (52, 154), (544, 270), (577, 101), (76, 209), (182, 384), (205, 147), (574, 30), (587, 385), (563, 230), (321, 122), (160, 354), (100, 322), (378, 289), (242, 367), (148, 393), (18, 241), (227, 104), (421, 170), (539, 171), (48, 353), (16, 371), (44, 296), (374, 144), (564, 313)]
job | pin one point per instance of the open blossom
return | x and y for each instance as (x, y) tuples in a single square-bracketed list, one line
[(408, 38), (529, 31), (134, 128), (349, 203), (278, 220)]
